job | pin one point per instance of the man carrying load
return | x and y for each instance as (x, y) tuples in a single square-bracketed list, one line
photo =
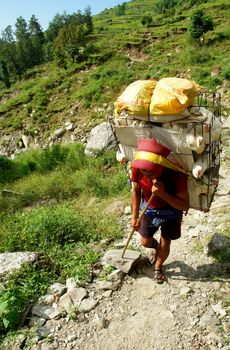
[(151, 174)]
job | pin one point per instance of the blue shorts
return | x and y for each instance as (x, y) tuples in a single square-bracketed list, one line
[(170, 230)]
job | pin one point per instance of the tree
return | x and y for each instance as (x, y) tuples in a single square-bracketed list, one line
[(37, 41), (8, 54), (121, 9), (88, 19), (163, 5), (67, 46), (200, 24), (58, 22), (147, 21), (8, 35), (4, 73), (23, 44)]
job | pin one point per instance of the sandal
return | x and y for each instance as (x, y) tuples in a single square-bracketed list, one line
[(159, 276)]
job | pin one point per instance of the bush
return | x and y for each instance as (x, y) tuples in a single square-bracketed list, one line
[(41, 228), (147, 21), (26, 163), (200, 24), (12, 170), (46, 227), (61, 172), (41, 99), (226, 73)]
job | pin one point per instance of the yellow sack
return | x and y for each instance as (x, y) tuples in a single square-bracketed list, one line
[(136, 98), (173, 95)]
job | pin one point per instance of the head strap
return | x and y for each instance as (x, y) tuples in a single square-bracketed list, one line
[(158, 159)]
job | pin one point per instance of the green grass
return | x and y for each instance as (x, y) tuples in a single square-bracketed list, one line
[(51, 216)]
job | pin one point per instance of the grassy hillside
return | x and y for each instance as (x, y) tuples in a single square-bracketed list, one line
[(126, 50), (59, 189)]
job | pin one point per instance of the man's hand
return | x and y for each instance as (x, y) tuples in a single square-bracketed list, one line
[(158, 188), (135, 224)]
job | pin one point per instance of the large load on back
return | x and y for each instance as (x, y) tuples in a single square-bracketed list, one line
[(176, 112)]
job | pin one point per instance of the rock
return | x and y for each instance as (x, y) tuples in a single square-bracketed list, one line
[(128, 210), (125, 264), (101, 137), (69, 126), (99, 322), (185, 291), (107, 285), (46, 312), (77, 294), (11, 261), (42, 332), (207, 321), (218, 309), (65, 302), (87, 305), (36, 321), (27, 140), (72, 298), (107, 294), (58, 133), (71, 283), (218, 244), (116, 275), (57, 288), (48, 299)]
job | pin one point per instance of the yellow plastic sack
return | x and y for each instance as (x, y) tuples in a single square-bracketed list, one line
[(173, 95), (136, 98)]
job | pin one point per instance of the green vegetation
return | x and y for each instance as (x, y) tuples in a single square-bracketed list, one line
[(200, 24), (78, 66), (55, 185), (89, 60)]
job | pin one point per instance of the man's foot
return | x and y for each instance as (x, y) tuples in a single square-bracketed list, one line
[(159, 276)]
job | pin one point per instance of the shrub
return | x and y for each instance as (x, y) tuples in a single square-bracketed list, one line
[(46, 227), (147, 21), (12, 170), (226, 73), (41, 99), (200, 24)]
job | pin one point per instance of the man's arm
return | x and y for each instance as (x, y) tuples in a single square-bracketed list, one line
[(136, 200), (179, 201)]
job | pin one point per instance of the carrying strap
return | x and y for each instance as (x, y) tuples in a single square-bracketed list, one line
[(158, 159)]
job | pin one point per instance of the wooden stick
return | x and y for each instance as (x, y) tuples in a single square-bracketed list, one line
[(138, 221)]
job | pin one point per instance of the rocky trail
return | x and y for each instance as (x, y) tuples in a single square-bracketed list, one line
[(131, 312), (189, 311)]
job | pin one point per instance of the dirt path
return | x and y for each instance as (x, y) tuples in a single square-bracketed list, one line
[(188, 312)]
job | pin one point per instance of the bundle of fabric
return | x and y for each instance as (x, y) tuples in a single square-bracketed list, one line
[(168, 96)]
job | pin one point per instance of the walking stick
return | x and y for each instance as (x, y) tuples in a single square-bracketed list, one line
[(139, 219)]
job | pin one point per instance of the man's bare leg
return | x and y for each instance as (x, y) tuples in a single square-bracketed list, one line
[(163, 250), (150, 243)]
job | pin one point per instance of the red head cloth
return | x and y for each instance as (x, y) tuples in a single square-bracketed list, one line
[(144, 159)]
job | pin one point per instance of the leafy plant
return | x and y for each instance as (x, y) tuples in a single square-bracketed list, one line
[(147, 21), (200, 24)]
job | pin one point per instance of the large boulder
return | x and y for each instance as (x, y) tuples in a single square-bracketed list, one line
[(101, 137)]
